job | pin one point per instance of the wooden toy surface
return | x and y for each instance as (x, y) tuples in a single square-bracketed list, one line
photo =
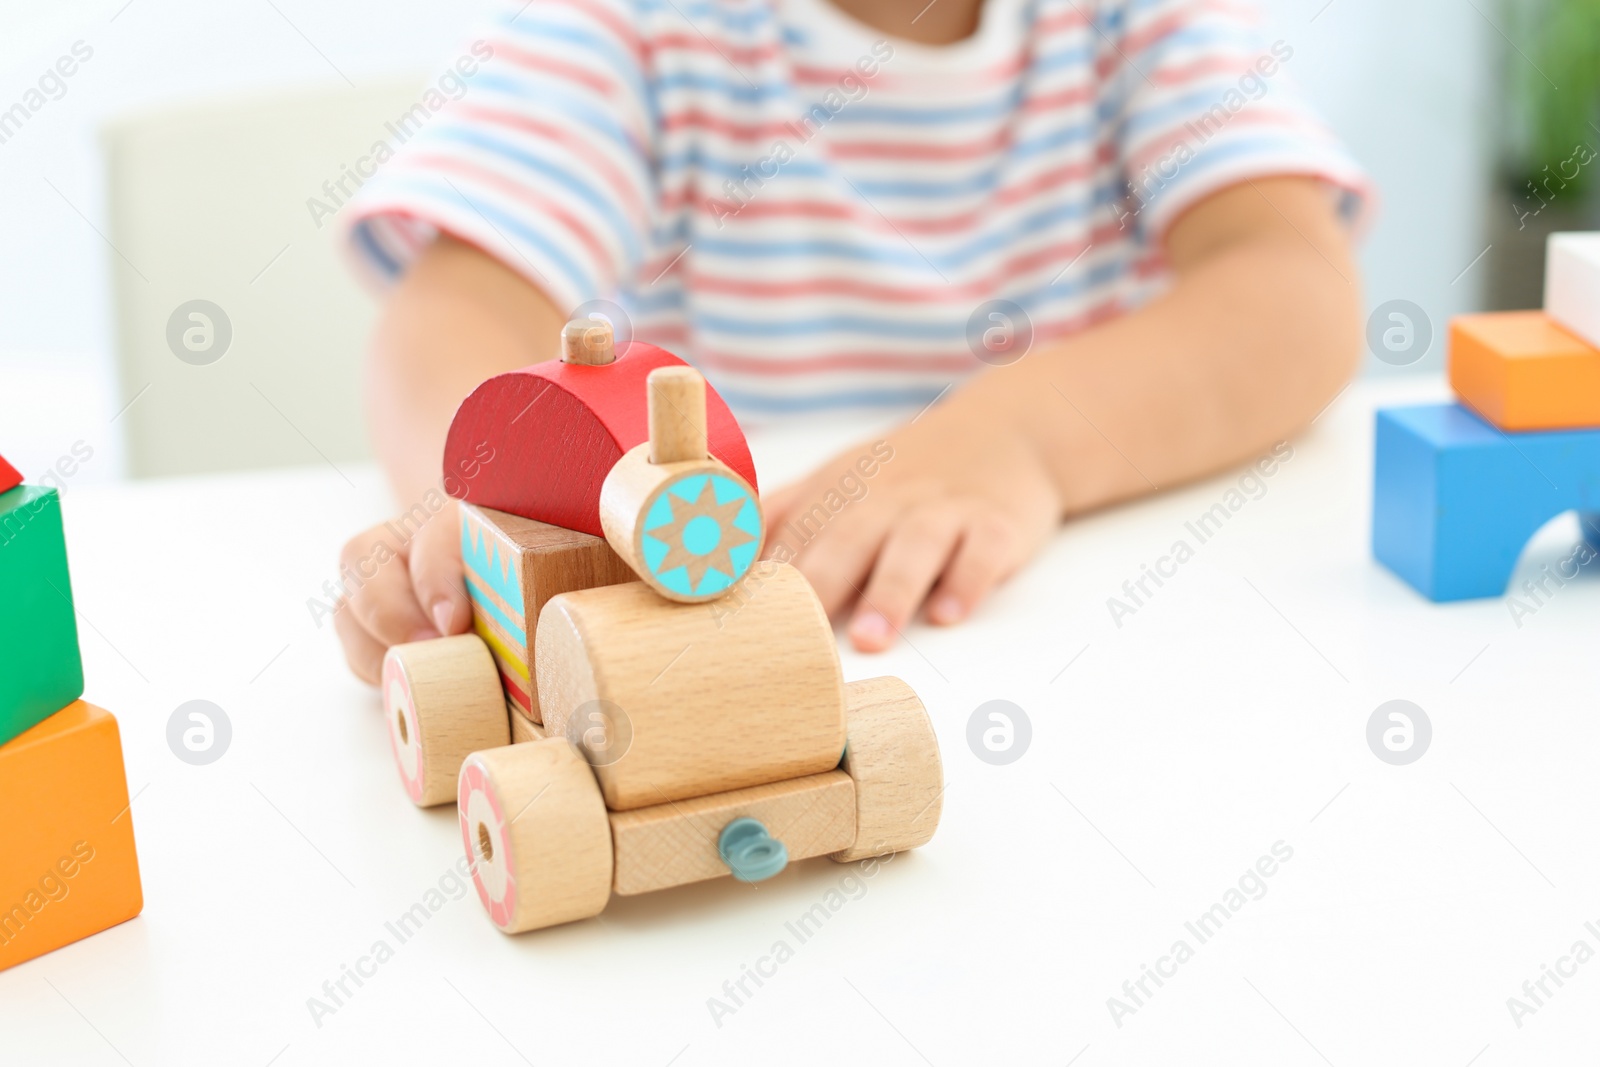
[(690, 530), (589, 341), (688, 526), (535, 827), (1522, 371), (682, 700), (1572, 283), (1455, 499), (42, 670), (524, 729), (10, 477), (68, 867), (674, 844), (555, 430), (893, 758), (676, 407), (442, 702), (513, 567)]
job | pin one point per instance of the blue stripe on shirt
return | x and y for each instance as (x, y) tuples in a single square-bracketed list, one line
[(951, 259), (891, 329), (570, 180), (501, 222), (369, 244)]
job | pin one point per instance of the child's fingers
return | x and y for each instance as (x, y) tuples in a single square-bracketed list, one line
[(839, 551), (385, 604), (436, 573), (361, 652), (988, 553), (913, 555)]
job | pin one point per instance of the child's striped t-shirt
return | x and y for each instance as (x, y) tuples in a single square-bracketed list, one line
[(819, 215)]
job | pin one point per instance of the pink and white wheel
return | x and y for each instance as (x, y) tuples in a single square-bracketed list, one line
[(405, 739), (442, 701), (535, 828), (483, 837)]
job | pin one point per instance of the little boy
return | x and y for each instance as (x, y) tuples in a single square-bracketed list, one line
[(1088, 249)]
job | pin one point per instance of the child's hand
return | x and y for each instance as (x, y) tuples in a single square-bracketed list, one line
[(960, 504), (410, 589)]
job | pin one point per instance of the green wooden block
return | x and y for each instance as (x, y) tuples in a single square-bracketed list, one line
[(43, 671)]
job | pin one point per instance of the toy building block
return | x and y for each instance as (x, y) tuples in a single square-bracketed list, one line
[(513, 567), (671, 701), (553, 431), (68, 867), (444, 702), (10, 478), (545, 849), (524, 729), (674, 844), (1455, 499), (38, 627), (893, 757), (535, 828), (1572, 283), (1521, 371), (684, 522)]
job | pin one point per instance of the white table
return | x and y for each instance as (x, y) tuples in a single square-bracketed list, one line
[(1226, 715)]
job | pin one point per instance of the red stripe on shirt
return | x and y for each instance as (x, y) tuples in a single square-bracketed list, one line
[(620, 28), (951, 362), (581, 147), (546, 64), (850, 211), (1153, 151), (520, 192), (1009, 270)]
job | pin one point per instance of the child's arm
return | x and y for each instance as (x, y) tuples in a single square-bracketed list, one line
[(456, 317), (1259, 332)]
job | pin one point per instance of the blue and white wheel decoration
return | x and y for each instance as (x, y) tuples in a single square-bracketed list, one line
[(701, 534)]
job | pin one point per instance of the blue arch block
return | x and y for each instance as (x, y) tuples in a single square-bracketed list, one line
[(1456, 499)]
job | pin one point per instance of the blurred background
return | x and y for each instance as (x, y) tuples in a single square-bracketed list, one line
[(121, 185)]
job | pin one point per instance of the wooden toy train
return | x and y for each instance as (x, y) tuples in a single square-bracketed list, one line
[(641, 704)]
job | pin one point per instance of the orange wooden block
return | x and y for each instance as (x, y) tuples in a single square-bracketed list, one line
[(1521, 371), (67, 862)]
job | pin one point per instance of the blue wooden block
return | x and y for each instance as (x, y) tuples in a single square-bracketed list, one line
[(1456, 499)]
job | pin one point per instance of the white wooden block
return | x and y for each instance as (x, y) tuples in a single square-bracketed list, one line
[(1572, 283)]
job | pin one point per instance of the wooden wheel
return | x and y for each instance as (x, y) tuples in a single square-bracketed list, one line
[(535, 829), (443, 700), (893, 757)]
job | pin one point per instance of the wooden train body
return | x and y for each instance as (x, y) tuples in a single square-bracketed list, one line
[(616, 722)]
